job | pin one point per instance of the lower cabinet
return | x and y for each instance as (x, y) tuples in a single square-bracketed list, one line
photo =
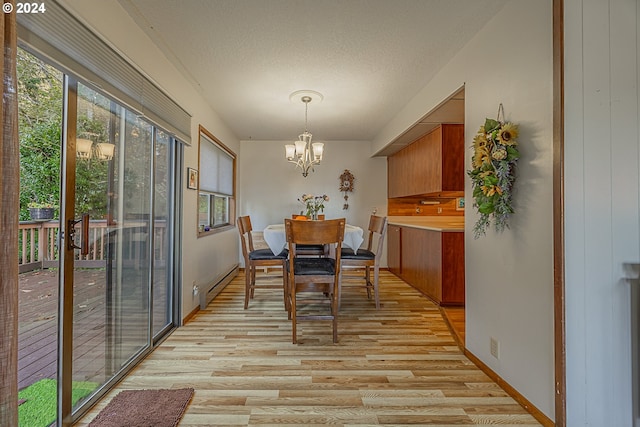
[(394, 256), (430, 261)]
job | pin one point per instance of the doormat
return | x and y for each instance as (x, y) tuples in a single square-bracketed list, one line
[(143, 408)]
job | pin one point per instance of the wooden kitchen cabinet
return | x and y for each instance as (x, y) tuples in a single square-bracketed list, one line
[(394, 250), (432, 164), (431, 261)]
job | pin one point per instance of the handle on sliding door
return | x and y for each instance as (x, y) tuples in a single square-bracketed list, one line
[(71, 233)]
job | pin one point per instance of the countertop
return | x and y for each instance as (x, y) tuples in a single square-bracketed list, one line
[(434, 223)]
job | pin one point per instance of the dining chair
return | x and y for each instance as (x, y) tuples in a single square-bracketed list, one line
[(366, 258), (254, 258), (317, 279), (310, 250)]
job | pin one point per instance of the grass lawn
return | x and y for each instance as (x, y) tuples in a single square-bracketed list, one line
[(40, 406)]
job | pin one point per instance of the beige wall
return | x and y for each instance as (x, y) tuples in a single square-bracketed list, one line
[(509, 276)]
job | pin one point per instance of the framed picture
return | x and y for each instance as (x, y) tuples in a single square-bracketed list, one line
[(459, 203), (192, 178)]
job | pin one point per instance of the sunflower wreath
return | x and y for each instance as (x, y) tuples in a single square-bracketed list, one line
[(493, 174)]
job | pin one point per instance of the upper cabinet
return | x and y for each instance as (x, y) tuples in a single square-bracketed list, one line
[(431, 164)]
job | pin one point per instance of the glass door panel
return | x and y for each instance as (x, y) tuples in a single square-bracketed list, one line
[(39, 120), (111, 291), (162, 297)]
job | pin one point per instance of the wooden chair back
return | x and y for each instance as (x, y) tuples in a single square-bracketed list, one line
[(245, 229), (377, 225), (315, 232)]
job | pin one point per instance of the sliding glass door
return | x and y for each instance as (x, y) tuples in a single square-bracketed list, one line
[(117, 263), (111, 176), (116, 161)]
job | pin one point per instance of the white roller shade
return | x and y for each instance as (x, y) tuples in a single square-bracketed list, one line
[(216, 168)]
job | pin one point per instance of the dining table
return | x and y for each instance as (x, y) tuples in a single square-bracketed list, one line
[(275, 237)]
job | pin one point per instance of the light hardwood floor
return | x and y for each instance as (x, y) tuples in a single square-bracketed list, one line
[(455, 317), (399, 365)]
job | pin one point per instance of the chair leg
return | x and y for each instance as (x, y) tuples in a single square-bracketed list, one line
[(376, 276), (253, 280), (247, 285), (367, 281), (292, 314), (285, 285), (334, 311), (340, 290)]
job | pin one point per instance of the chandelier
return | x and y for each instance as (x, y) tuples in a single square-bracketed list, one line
[(86, 148), (303, 153)]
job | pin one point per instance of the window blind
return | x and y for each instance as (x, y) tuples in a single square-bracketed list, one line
[(216, 168), (75, 49)]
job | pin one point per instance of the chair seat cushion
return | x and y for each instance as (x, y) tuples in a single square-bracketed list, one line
[(347, 253), (262, 254), (314, 266)]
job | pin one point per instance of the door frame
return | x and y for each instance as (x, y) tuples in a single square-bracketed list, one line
[(66, 252), (558, 215)]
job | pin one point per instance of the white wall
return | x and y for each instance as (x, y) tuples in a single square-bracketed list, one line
[(509, 276), (270, 186), (205, 258), (601, 208)]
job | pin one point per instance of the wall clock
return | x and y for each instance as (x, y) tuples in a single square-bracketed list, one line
[(346, 186)]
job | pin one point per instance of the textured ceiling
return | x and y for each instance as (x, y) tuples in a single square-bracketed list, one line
[(367, 57)]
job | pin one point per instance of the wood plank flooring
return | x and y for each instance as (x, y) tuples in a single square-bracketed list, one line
[(455, 317), (399, 365)]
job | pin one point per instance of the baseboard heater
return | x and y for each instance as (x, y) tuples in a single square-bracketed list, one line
[(216, 286)]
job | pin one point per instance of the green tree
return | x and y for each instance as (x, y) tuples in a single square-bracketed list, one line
[(40, 97), (39, 124)]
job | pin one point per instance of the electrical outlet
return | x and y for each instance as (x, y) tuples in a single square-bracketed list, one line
[(494, 346)]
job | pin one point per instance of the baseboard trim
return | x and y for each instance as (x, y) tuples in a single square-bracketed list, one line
[(216, 286), (190, 316), (523, 401)]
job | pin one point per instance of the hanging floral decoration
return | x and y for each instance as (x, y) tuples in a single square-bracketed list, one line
[(493, 174)]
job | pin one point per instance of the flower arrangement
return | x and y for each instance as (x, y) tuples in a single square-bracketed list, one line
[(493, 174), (313, 204)]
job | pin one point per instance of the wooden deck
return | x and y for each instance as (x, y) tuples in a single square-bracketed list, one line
[(38, 325)]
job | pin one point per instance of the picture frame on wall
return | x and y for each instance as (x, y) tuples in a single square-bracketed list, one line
[(192, 178)]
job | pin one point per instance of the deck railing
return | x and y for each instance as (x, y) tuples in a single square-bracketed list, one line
[(38, 242)]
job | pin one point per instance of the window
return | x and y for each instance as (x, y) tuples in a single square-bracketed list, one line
[(216, 192)]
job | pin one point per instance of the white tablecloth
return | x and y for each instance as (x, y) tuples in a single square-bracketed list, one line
[(274, 236)]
